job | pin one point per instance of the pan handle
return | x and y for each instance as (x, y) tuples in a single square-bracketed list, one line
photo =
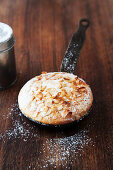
[(74, 48)]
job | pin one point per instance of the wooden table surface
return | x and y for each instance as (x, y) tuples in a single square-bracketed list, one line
[(43, 29)]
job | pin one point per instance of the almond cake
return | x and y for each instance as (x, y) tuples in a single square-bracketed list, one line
[(55, 98)]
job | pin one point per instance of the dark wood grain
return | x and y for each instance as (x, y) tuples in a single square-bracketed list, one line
[(43, 29)]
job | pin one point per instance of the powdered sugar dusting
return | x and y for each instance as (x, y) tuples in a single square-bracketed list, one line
[(67, 148), (54, 149), (19, 128)]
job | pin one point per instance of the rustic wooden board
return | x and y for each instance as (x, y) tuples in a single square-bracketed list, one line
[(43, 29)]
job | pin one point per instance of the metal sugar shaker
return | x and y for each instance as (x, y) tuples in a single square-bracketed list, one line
[(7, 57)]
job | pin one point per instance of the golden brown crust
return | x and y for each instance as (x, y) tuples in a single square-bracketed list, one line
[(55, 98)]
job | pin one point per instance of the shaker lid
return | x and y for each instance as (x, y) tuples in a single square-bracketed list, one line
[(6, 37)]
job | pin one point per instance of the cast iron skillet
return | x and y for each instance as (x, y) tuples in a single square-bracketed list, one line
[(70, 60)]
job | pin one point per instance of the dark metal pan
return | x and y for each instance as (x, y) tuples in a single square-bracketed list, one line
[(70, 60)]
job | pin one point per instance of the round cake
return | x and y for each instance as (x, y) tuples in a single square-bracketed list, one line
[(55, 98)]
